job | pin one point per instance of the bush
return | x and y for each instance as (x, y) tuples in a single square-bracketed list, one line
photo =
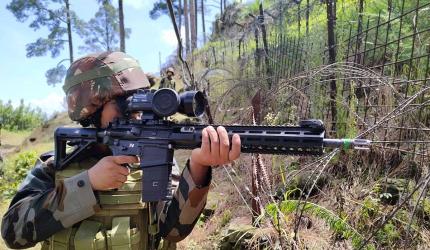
[(15, 170), (20, 118)]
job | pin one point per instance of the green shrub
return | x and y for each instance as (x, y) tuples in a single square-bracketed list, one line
[(23, 117), (15, 170), (338, 224)]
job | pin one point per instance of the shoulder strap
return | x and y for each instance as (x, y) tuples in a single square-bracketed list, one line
[(84, 237)]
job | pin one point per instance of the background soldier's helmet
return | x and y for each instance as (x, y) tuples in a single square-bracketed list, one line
[(94, 80), (170, 69)]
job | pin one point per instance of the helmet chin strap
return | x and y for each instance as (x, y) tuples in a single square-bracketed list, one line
[(122, 103), (95, 119)]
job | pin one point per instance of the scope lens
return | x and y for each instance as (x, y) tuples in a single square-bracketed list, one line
[(192, 103), (165, 102)]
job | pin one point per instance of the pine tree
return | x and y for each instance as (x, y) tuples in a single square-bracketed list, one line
[(102, 32), (57, 17), (202, 8), (121, 26), (180, 8), (187, 27), (193, 25)]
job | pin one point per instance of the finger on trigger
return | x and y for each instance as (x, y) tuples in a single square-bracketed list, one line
[(118, 184), (235, 149), (121, 178), (121, 159), (224, 143), (124, 170)]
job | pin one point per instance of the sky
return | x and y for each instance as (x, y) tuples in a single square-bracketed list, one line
[(24, 78)]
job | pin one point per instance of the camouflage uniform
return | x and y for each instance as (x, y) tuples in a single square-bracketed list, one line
[(168, 82), (60, 207)]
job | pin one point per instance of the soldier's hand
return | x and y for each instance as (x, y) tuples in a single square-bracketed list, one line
[(108, 173), (215, 149)]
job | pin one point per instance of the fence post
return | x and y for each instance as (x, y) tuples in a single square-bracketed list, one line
[(265, 46)]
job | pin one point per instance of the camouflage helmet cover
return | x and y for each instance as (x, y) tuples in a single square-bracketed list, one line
[(170, 69), (94, 80)]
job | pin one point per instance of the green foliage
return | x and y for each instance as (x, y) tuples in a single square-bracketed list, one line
[(51, 14), (160, 8), (346, 110), (337, 223), (22, 117), (55, 75), (14, 170), (388, 234), (101, 33), (226, 217)]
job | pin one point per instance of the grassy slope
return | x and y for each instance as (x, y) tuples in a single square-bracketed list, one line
[(41, 141), (12, 138)]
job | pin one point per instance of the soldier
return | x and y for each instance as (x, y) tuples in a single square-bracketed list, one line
[(168, 81), (95, 202)]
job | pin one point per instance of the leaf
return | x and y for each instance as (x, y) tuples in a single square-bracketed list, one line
[(55, 75)]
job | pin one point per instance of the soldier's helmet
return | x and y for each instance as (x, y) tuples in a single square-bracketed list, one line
[(170, 69), (94, 80)]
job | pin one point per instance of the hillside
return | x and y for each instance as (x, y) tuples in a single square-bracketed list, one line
[(363, 68), (39, 140)]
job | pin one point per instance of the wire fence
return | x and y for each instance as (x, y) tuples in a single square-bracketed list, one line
[(363, 67)]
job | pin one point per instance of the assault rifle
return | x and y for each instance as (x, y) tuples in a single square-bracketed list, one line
[(154, 138)]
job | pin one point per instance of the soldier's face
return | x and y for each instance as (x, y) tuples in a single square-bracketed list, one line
[(110, 111)]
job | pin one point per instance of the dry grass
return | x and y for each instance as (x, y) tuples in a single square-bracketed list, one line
[(12, 138)]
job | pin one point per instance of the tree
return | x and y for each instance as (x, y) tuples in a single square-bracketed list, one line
[(187, 27), (160, 8), (121, 26), (193, 25), (59, 19), (202, 7), (101, 33)]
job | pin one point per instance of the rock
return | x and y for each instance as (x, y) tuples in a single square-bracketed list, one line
[(389, 190), (300, 186), (237, 235)]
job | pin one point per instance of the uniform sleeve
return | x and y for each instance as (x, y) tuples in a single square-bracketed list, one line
[(43, 207), (162, 83), (178, 216)]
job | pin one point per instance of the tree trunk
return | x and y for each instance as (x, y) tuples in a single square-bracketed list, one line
[(69, 31), (196, 16), (357, 58), (121, 26), (187, 28), (265, 46), (202, 6), (108, 47), (307, 17), (180, 16), (193, 25), (331, 23)]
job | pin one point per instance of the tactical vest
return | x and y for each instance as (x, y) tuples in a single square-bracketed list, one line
[(166, 83), (121, 224)]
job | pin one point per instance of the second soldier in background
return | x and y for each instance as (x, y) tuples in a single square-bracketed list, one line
[(168, 81)]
